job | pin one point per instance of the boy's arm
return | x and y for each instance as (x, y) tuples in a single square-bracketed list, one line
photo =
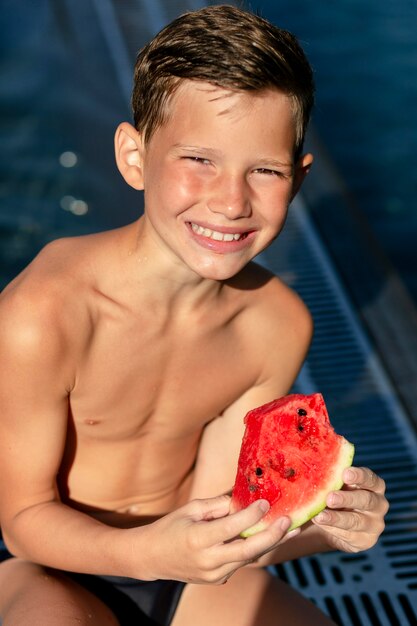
[(354, 517), (36, 377)]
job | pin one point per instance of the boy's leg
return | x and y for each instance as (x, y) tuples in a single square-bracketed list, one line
[(251, 597), (31, 595)]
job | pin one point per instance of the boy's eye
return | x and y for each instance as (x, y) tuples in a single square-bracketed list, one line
[(197, 159), (264, 170)]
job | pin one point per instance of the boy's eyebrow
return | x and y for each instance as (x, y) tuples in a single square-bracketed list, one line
[(196, 149), (270, 162), (275, 163)]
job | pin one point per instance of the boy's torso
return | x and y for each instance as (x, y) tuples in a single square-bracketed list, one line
[(147, 381), (144, 393)]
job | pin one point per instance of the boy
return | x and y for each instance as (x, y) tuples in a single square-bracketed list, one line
[(129, 358)]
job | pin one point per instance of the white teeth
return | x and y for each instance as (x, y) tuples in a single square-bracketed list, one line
[(214, 234)]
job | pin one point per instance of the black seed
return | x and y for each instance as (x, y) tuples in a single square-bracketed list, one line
[(301, 412), (253, 487), (289, 472), (300, 428), (259, 471)]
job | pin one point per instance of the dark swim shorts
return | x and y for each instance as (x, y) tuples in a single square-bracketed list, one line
[(133, 602)]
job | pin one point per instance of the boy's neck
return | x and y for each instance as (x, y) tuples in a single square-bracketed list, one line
[(162, 280)]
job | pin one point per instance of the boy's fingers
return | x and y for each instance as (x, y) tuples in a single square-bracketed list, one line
[(210, 508), (247, 550), (364, 478), (351, 521), (229, 527), (359, 499)]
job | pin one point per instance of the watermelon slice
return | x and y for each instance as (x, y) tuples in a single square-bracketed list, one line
[(292, 457)]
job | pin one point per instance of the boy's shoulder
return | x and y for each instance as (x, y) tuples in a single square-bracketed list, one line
[(57, 267), (270, 298), (50, 297), (63, 265), (278, 323)]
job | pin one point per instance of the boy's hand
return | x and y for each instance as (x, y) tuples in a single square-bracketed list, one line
[(354, 518), (200, 542)]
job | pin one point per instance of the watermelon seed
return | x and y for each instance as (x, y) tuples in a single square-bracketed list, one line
[(253, 487), (289, 472), (300, 428), (302, 412), (258, 471)]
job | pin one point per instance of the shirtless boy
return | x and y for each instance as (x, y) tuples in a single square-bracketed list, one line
[(129, 358)]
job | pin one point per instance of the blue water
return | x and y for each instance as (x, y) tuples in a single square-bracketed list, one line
[(364, 54)]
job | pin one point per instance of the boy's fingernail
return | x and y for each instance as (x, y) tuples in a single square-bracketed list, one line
[(335, 499), (284, 523), (350, 475), (263, 505), (323, 517)]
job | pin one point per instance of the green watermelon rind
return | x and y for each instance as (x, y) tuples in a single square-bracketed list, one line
[(310, 510)]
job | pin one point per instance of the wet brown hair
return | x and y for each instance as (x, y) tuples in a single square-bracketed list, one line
[(229, 48)]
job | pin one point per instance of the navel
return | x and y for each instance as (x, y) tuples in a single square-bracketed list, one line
[(133, 509)]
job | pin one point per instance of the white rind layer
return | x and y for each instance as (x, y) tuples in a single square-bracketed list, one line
[(334, 482)]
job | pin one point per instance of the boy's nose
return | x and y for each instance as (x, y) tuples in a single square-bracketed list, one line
[(230, 197)]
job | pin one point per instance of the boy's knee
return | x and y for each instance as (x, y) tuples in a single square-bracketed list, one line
[(31, 594), (16, 577), (15, 572)]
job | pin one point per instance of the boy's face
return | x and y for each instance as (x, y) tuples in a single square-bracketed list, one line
[(219, 176)]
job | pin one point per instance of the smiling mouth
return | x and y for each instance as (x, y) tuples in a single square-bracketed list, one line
[(216, 235)]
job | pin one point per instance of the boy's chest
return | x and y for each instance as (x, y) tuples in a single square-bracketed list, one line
[(174, 383)]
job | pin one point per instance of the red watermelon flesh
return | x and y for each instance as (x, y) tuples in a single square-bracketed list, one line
[(292, 457)]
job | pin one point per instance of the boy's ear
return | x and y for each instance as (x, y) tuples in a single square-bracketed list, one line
[(128, 148), (302, 168)]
